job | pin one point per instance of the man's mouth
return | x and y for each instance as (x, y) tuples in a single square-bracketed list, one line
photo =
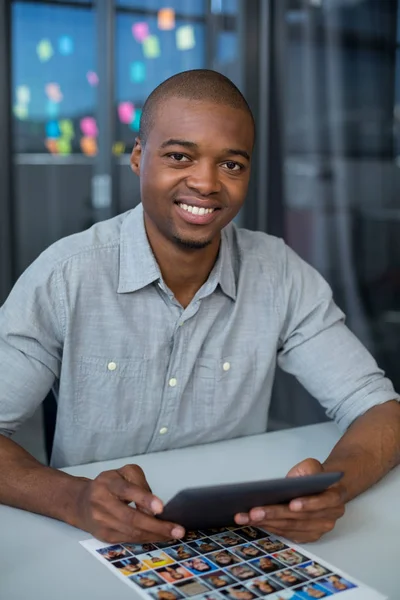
[(195, 213), (196, 210)]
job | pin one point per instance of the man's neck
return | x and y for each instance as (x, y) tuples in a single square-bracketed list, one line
[(183, 270)]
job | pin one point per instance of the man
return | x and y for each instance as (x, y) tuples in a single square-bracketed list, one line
[(162, 327)]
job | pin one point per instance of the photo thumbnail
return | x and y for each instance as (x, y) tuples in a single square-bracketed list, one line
[(181, 552), (291, 557), (166, 593), (270, 545), (156, 559), (247, 551), (113, 552), (205, 545), (267, 564), (147, 580), (228, 539), (175, 572), (128, 566), (199, 565), (238, 592), (218, 579)]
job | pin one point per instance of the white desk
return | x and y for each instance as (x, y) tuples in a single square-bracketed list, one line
[(41, 559)]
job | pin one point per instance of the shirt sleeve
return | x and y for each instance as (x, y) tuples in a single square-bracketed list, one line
[(322, 353), (30, 343)]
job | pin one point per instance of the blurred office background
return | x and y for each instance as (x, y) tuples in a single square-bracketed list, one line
[(323, 80)]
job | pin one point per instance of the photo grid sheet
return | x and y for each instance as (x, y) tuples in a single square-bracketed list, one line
[(231, 563)]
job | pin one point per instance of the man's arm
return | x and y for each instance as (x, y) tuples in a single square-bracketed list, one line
[(332, 364), (366, 453), (31, 347), (368, 450), (99, 506)]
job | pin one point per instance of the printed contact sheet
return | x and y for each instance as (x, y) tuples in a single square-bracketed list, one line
[(230, 563)]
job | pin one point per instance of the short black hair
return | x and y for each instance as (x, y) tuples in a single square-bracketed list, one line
[(196, 84)]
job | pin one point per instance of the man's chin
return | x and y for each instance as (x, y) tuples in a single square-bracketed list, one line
[(191, 244)]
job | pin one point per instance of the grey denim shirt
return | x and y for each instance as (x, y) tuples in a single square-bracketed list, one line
[(134, 372)]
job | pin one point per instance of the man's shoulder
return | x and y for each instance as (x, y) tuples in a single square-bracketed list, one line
[(101, 236), (79, 253)]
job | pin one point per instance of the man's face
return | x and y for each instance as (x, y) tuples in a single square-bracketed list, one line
[(194, 170)]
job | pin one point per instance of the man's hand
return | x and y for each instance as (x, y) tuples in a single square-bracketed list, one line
[(303, 519), (104, 512)]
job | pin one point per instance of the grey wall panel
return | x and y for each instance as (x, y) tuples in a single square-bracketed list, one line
[(52, 201)]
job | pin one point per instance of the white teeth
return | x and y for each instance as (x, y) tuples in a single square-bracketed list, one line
[(195, 210)]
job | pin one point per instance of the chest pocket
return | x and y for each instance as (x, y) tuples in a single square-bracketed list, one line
[(224, 388), (110, 394)]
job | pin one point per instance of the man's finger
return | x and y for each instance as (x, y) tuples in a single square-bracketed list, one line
[(134, 474), (140, 521), (329, 499), (134, 524), (312, 525), (327, 513), (309, 466), (120, 487)]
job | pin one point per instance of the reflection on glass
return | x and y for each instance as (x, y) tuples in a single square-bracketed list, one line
[(342, 204), (184, 7), (150, 47), (54, 79)]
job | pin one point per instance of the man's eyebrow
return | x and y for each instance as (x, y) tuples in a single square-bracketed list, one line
[(176, 142), (237, 151)]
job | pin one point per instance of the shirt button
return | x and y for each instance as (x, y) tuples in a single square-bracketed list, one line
[(163, 430), (172, 382), (226, 366), (112, 366)]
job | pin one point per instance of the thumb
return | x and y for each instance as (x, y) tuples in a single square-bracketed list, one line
[(309, 466)]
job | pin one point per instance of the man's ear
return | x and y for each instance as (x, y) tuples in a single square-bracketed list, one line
[(136, 156)]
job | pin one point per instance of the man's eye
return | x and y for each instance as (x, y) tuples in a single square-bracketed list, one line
[(232, 166), (178, 157)]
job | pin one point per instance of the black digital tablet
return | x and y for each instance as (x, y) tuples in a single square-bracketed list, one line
[(216, 506)]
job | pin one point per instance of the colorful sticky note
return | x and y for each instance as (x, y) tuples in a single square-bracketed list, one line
[(52, 109), (140, 31), (21, 111), (23, 94), (118, 148), (53, 92), (65, 45), (44, 50), (67, 129), (185, 38), (135, 124), (93, 78), (51, 145), (151, 47), (64, 146), (166, 19), (138, 71), (126, 112), (52, 129), (89, 127), (88, 146)]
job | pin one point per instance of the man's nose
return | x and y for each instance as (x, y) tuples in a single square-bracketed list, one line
[(204, 179)]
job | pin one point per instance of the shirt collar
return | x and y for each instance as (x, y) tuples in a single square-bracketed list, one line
[(139, 268)]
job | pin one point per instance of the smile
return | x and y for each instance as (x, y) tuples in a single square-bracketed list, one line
[(196, 210)]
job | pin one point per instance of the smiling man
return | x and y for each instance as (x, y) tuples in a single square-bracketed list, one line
[(162, 328)]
